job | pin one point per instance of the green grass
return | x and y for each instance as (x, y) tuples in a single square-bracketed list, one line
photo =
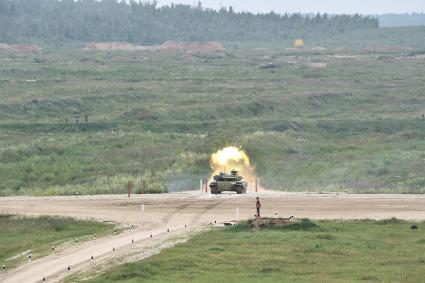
[(354, 125), (21, 236), (324, 251)]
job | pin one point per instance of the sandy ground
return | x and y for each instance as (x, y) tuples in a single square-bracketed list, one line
[(183, 212)]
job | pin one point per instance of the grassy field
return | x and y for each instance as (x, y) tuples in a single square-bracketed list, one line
[(22, 236), (321, 121), (325, 251)]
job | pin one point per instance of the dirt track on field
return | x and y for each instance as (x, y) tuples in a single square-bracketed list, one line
[(168, 46), (174, 211)]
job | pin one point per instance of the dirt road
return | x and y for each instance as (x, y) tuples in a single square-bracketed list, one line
[(180, 212)]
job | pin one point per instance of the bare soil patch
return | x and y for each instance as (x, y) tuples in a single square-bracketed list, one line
[(176, 46), (21, 48), (386, 48)]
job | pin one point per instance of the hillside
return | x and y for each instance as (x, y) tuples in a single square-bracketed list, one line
[(315, 120)]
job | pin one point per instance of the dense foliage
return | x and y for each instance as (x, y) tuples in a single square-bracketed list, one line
[(145, 23), (402, 20)]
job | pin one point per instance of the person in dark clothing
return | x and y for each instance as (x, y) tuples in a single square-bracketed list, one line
[(258, 205)]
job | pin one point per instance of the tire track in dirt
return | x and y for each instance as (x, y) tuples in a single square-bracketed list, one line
[(167, 218), (207, 208), (176, 216), (55, 266)]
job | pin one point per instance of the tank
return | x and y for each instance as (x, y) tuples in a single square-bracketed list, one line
[(232, 182)]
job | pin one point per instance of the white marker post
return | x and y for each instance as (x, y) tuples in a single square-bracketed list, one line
[(237, 214), (201, 187), (143, 213)]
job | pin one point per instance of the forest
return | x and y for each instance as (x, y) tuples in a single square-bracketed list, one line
[(402, 20), (59, 22)]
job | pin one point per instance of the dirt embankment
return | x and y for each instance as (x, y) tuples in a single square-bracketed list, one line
[(190, 47), (21, 48), (210, 46)]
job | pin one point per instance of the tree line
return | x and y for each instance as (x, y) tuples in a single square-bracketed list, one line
[(53, 21), (402, 20)]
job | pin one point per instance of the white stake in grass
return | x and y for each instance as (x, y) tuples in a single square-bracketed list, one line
[(237, 215)]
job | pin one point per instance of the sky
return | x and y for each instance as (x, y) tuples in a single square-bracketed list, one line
[(367, 7)]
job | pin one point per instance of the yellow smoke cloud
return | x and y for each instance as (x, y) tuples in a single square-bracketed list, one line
[(229, 157)]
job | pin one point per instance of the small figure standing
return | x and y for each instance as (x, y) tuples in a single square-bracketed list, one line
[(258, 205), (86, 118)]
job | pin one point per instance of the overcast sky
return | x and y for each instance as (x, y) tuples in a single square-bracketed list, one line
[(368, 7)]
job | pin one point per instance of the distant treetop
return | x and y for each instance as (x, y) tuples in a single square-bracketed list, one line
[(146, 23)]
